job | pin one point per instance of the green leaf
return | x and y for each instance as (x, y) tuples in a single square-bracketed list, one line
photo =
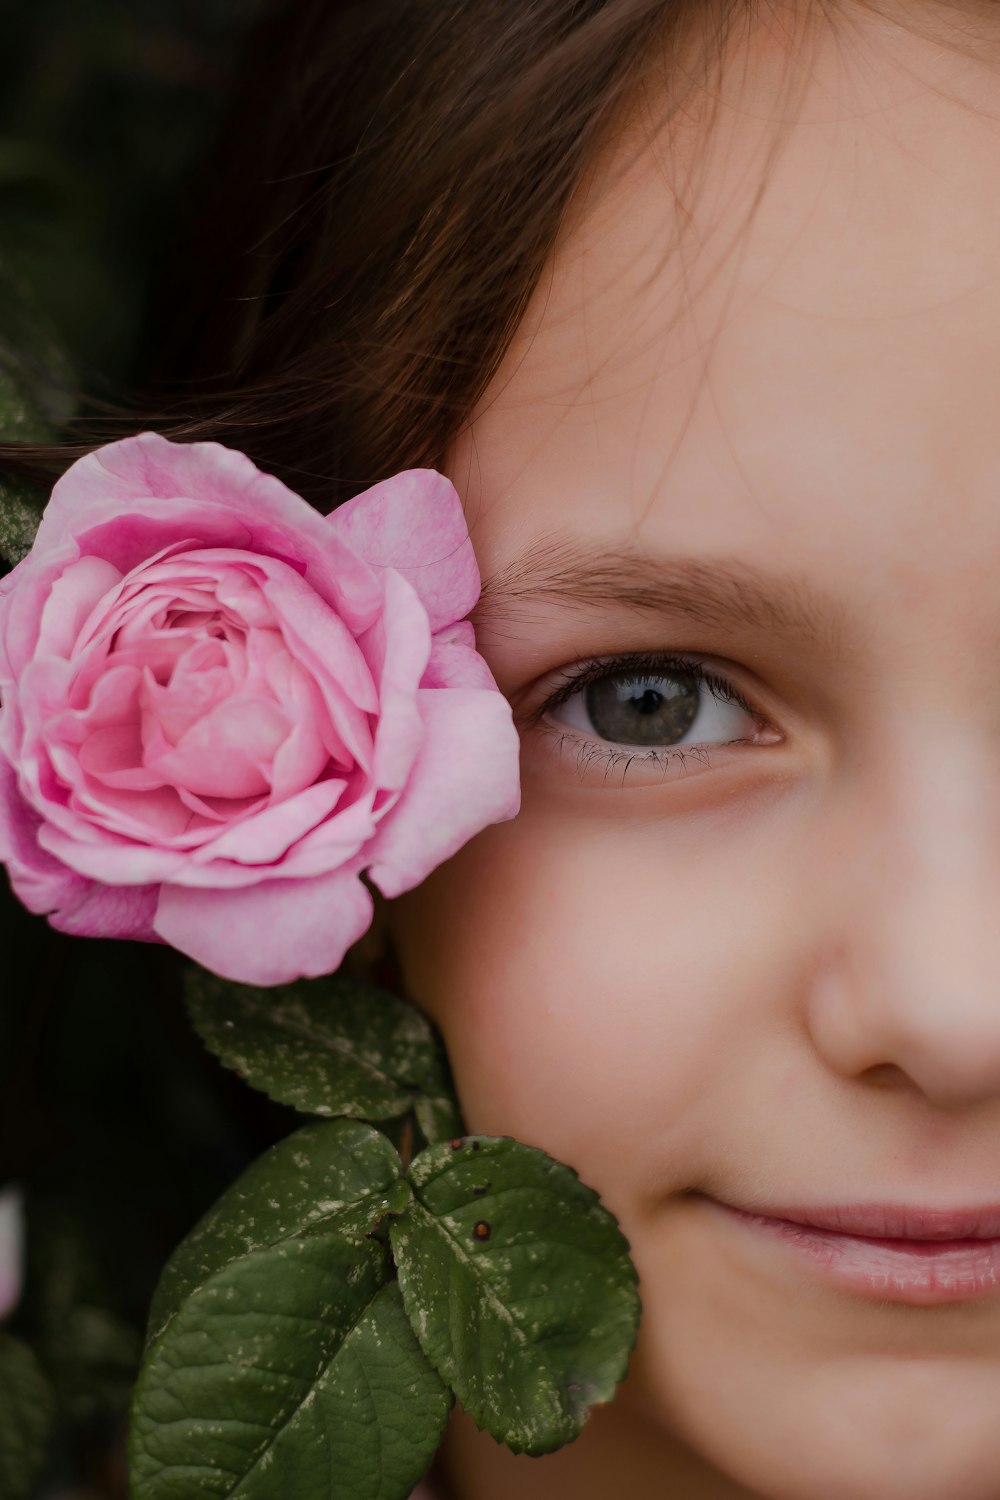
[(438, 1119), (34, 381), (519, 1286), (93, 1357), (290, 1369), (19, 519), (26, 1412), (331, 1046), (375, 1423), (339, 1177), (89, 1351)]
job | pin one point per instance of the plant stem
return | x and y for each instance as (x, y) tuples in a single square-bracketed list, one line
[(406, 1143)]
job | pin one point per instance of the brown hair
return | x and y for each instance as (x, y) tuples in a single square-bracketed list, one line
[(392, 182)]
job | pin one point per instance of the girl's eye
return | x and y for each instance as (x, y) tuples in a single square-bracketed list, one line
[(651, 704)]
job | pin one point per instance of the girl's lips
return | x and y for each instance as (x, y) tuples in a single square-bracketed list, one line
[(890, 1221), (943, 1255)]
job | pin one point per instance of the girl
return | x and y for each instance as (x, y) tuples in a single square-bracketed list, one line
[(697, 306)]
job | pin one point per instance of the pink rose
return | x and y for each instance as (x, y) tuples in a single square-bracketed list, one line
[(220, 707)]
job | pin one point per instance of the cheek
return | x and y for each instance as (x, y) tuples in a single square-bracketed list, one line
[(597, 989)]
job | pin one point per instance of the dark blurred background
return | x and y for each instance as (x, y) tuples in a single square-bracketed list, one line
[(117, 1125), (106, 111)]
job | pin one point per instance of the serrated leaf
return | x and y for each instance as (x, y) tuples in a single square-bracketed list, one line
[(26, 1412), (338, 1177), (292, 1372), (519, 1286), (242, 1357), (331, 1046), (284, 1365), (374, 1424)]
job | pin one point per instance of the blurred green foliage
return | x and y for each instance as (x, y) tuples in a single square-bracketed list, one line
[(105, 107)]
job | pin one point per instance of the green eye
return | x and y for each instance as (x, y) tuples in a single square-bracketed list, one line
[(652, 703)]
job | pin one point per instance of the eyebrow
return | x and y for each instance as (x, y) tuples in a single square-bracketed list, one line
[(720, 591)]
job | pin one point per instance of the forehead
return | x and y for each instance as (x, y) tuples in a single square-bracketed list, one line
[(773, 323)]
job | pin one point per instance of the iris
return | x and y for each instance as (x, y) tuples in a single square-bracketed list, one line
[(643, 710)]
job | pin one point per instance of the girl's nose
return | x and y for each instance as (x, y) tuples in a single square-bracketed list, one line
[(909, 970)]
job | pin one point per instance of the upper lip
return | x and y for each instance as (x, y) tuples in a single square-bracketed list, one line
[(889, 1221)]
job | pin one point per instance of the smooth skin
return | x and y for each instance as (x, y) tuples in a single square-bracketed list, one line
[(772, 971)]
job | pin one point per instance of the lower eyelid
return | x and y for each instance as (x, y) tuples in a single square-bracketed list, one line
[(641, 765), (657, 752), (593, 755)]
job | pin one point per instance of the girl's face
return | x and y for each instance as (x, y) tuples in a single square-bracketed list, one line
[(742, 942)]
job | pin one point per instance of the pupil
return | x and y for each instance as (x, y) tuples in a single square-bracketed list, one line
[(643, 710)]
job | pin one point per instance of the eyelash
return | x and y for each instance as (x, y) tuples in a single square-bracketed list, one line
[(589, 752)]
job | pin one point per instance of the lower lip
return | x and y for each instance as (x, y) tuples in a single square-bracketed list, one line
[(922, 1272)]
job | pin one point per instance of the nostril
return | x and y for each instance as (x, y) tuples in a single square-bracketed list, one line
[(889, 1076)]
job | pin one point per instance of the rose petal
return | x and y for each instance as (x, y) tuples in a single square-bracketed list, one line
[(397, 648), (270, 933), (413, 522), (298, 762), (137, 491), (264, 838), (40, 881), (303, 615), (22, 598), (46, 886), (465, 777), (113, 700), (455, 662), (110, 858), (226, 753), (71, 601), (114, 755), (334, 841), (461, 633), (111, 911)]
